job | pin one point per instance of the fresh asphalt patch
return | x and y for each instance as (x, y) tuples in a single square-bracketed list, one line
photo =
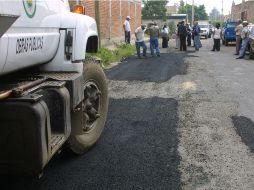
[(245, 129), (138, 150), (150, 69)]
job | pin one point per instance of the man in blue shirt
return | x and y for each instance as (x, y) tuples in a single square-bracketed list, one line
[(196, 31)]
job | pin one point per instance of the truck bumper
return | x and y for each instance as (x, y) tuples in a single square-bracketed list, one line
[(230, 38)]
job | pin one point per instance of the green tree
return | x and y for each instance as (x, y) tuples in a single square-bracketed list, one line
[(154, 8), (172, 27), (199, 12)]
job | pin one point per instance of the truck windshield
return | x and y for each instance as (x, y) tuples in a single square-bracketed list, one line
[(203, 26)]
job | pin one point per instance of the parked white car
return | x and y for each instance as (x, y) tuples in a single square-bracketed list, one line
[(204, 30)]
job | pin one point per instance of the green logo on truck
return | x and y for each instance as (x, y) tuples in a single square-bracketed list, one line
[(30, 7)]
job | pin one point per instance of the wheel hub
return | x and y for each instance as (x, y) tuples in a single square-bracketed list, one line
[(91, 105)]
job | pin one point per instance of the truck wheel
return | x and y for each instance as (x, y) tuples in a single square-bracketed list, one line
[(94, 108)]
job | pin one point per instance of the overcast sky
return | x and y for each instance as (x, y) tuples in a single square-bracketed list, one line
[(210, 4)]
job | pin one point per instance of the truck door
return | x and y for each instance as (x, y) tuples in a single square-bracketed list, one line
[(33, 39)]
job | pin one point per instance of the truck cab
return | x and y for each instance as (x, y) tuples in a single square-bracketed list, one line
[(228, 32), (50, 94)]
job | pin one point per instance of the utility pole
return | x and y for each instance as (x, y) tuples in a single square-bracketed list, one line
[(192, 13), (222, 16)]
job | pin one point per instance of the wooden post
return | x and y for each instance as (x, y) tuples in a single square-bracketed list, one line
[(97, 18)]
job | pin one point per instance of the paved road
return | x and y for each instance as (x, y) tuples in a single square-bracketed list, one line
[(180, 121)]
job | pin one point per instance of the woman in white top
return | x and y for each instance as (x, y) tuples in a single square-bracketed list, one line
[(177, 39), (216, 38), (164, 35)]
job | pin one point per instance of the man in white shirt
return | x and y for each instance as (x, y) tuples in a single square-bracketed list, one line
[(164, 35), (139, 34), (217, 35), (127, 29)]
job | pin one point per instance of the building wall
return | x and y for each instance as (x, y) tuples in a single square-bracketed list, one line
[(112, 15), (172, 9), (243, 11)]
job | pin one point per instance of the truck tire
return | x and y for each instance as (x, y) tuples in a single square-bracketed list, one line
[(95, 100)]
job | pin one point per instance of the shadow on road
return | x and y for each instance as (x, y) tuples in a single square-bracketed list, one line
[(245, 129)]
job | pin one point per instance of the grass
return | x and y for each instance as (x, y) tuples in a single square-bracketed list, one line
[(108, 56)]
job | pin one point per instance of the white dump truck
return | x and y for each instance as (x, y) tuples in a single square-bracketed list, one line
[(50, 95)]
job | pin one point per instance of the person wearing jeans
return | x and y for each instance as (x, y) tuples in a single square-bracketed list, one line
[(154, 32), (139, 34), (245, 40), (196, 31), (238, 31)]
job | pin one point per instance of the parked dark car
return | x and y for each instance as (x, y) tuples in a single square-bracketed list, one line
[(228, 32)]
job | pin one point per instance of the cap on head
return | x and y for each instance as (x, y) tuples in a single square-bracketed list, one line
[(128, 17), (245, 22)]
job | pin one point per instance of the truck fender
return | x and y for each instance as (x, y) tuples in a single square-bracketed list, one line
[(84, 28)]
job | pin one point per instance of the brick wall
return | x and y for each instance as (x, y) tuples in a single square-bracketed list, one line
[(112, 15), (243, 11)]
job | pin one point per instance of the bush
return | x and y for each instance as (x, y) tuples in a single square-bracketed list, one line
[(123, 51), (105, 55), (108, 56)]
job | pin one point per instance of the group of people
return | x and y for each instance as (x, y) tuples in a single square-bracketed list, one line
[(154, 33), (184, 33), (243, 35)]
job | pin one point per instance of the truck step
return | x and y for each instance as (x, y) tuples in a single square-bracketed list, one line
[(61, 76), (56, 142)]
